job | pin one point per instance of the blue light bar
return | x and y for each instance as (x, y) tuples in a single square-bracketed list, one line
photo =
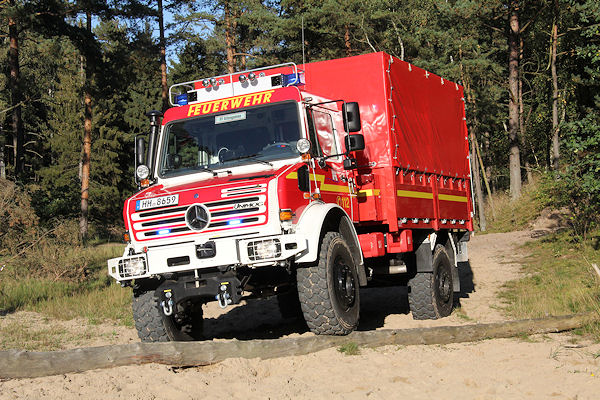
[(164, 232), (291, 79), (234, 222), (182, 99)]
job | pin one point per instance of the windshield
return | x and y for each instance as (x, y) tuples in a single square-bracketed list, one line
[(254, 135)]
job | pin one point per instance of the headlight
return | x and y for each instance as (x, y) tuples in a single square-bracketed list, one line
[(303, 145), (142, 172)]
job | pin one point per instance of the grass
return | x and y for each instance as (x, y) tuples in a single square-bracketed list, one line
[(17, 336), (95, 297), (349, 349), (508, 216), (96, 306), (460, 313), (559, 279)]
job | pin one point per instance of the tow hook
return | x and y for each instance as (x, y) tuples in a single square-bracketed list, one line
[(223, 297), (167, 304)]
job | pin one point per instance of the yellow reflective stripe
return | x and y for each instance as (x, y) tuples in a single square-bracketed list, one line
[(368, 192), (451, 197), (414, 194), (327, 187)]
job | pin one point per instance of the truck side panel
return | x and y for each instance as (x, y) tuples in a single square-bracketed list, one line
[(415, 169)]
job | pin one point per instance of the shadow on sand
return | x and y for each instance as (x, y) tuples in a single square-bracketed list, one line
[(261, 319)]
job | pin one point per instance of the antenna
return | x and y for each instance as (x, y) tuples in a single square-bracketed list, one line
[(303, 60)]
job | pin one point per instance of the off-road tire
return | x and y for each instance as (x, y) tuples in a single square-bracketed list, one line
[(431, 294), (329, 291), (153, 326)]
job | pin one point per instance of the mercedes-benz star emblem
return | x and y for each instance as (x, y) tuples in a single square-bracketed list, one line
[(196, 217)]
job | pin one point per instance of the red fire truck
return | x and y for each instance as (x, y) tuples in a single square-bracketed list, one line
[(302, 181)]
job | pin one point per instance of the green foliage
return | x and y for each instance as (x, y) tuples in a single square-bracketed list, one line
[(578, 185)]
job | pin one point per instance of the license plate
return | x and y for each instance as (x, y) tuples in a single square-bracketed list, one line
[(155, 202)]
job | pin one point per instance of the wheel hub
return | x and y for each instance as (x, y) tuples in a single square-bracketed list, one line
[(345, 286), (443, 286)]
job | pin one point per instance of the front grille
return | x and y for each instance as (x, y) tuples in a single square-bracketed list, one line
[(232, 212), (244, 190)]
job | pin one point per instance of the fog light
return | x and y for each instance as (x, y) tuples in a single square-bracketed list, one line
[(264, 249), (142, 171), (243, 78), (132, 267)]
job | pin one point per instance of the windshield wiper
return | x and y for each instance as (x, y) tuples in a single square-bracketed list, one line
[(204, 169), (253, 157)]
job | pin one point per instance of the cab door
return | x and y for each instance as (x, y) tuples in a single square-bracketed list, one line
[(335, 184)]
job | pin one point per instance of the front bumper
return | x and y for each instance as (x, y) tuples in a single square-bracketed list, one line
[(197, 255)]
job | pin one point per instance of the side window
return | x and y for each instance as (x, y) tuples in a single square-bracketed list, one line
[(321, 132)]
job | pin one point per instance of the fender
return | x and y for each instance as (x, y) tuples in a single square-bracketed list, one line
[(316, 218)]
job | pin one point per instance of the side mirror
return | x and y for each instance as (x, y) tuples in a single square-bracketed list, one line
[(303, 179), (354, 142), (351, 115), (140, 146)]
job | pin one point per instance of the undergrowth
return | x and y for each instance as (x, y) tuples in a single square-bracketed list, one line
[(559, 279), (506, 215), (64, 280)]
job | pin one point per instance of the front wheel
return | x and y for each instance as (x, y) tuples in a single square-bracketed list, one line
[(329, 291), (153, 325), (431, 294)]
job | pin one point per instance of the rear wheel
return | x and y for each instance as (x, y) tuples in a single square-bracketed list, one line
[(329, 291), (431, 294), (153, 325)]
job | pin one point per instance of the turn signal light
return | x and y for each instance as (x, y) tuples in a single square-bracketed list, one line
[(285, 215), (316, 196), (306, 157), (126, 237), (145, 182)]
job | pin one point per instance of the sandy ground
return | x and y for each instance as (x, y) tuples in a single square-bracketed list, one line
[(550, 366)]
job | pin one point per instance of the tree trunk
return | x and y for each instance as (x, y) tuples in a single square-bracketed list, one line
[(15, 92), (163, 58), (87, 143), (476, 171), (347, 43), (513, 106), (229, 39), (475, 166), (522, 118), (555, 133), (15, 364)]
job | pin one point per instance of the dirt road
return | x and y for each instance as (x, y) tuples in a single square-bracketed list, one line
[(552, 366)]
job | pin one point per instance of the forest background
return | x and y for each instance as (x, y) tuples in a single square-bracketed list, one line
[(79, 75)]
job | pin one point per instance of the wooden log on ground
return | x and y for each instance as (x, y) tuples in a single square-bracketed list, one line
[(26, 364)]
